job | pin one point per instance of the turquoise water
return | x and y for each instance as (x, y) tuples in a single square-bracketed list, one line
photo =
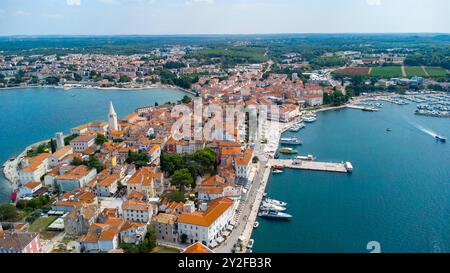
[(30, 115), (398, 194)]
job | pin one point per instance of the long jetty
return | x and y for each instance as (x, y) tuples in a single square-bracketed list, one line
[(310, 165)]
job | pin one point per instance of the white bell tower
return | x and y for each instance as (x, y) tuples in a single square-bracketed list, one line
[(112, 118)]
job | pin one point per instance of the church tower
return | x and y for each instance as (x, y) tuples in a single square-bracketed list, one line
[(112, 118)]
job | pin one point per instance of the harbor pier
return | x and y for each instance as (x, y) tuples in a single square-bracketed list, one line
[(310, 165)]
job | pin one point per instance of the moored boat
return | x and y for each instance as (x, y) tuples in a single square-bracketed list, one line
[(256, 224), (309, 119), (291, 141), (288, 151), (267, 206), (275, 215), (277, 171), (275, 202)]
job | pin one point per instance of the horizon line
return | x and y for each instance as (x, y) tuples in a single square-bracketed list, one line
[(230, 34)]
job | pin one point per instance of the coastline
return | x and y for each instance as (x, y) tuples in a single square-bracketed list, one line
[(140, 88), (11, 166)]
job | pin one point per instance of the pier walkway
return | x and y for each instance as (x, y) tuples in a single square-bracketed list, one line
[(310, 165)]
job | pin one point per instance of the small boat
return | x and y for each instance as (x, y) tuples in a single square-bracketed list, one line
[(275, 215), (305, 158), (256, 224), (309, 119), (275, 202), (295, 128), (277, 171), (276, 167), (288, 151), (250, 243), (277, 156), (267, 206), (389, 129), (291, 141), (441, 138), (265, 194)]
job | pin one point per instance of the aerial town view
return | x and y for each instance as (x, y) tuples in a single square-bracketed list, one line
[(210, 126)]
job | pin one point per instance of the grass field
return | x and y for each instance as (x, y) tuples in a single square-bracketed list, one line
[(387, 72), (417, 71), (437, 72), (42, 223), (163, 249)]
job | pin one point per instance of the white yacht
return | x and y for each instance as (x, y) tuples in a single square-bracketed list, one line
[(275, 202)]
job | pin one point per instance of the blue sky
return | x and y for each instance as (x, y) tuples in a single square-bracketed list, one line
[(105, 17)]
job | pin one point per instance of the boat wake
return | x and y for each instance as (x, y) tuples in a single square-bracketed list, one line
[(425, 130)]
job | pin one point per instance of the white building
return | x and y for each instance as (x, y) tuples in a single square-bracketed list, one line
[(136, 211), (75, 178), (207, 226), (81, 143), (33, 168)]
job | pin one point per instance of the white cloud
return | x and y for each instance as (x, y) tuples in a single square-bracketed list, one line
[(374, 2), (116, 2), (190, 2), (73, 2)]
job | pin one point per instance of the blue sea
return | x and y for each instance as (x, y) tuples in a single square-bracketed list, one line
[(398, 194), (33, 114)]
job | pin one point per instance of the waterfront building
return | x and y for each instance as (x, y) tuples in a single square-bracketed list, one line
[(30, 188), (19, 242), (165, 225), (206, 226), (243, 164), (112, 118), (33, 168)]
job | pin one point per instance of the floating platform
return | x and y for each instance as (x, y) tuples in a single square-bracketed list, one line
[(311, 165)]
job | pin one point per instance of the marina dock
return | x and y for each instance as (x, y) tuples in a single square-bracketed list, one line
[(310, 165)]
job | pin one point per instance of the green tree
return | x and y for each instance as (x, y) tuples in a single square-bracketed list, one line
[(171, 162), (182, 178), (8, 212), (100, 139), (186, 99)]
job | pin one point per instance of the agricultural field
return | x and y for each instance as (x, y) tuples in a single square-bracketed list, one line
[(437, 72), (354, 71), (415, 71), (387, 72)]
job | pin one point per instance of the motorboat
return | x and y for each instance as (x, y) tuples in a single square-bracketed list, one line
[(275, 202), (291, 141), (309, 119), (267, 206), (441, 138), (256, 224), (288, 151), (277, 171), (275, 215)]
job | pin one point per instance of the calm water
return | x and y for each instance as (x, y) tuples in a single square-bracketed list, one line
[(398, 195), (30, 115)]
